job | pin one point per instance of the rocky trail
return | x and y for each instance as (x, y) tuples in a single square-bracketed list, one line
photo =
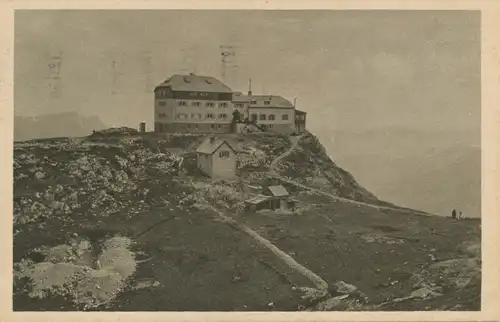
[(295, 140)]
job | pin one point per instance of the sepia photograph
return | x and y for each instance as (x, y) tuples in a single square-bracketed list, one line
[(247, 160)]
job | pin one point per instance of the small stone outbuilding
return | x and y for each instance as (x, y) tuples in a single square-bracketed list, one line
[(217, 158)]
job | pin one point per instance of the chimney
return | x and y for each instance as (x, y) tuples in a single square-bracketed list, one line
[(212, 139), (294, 101), (249, 87)]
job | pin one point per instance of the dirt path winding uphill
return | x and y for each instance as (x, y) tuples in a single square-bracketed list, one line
[(295, 142)]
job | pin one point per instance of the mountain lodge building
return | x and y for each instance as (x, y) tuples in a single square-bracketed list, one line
[(203, 104)]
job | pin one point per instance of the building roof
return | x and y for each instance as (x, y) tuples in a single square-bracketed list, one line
[(275, 101), (195, 83), (257, 101), (240, 97), (278, 191), (210, 145), (257, 199), (300, 112)]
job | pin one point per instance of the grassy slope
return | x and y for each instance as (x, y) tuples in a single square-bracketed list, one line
[(330, 238), (200, 262)]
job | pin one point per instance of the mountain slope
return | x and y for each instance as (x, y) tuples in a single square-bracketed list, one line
[(127, 222), (54, 125)]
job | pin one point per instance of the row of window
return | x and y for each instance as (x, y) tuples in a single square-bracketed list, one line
[(165, 92), (207, 104), (265, 102), (270, 117), (222, 116), (196, 126), (199, 116)]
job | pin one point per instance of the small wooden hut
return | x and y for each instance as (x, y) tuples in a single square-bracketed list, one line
[(276, 198)]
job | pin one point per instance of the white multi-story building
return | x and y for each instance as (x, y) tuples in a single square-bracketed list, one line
[(192, 103), (202, 104), (272, 113)]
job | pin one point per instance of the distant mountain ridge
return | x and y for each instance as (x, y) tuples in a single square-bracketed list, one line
[(66, 124)]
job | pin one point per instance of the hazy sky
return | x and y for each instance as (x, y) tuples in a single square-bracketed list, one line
[(348, 69)]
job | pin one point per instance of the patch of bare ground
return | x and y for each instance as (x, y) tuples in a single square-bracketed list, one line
[(78, 272)]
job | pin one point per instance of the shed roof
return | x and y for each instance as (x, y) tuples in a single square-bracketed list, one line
[(210, 145), (278, 191), (195, 83), (299, 112), (257, 199)]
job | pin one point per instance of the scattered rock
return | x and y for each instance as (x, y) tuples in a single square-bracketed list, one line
[(424, 293), (343, 287), (86, 286), (331, 303), (145, 283), (39, 175)]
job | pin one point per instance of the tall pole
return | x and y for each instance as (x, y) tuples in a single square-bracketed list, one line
[(227, 52)]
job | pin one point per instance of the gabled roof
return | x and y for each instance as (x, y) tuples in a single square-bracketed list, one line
[(195, 83), (278, 191), (210, 146)]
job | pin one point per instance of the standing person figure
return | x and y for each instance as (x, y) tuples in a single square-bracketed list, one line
[(454, 214)]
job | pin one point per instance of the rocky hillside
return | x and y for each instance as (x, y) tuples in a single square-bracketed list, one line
[(122, 221)]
